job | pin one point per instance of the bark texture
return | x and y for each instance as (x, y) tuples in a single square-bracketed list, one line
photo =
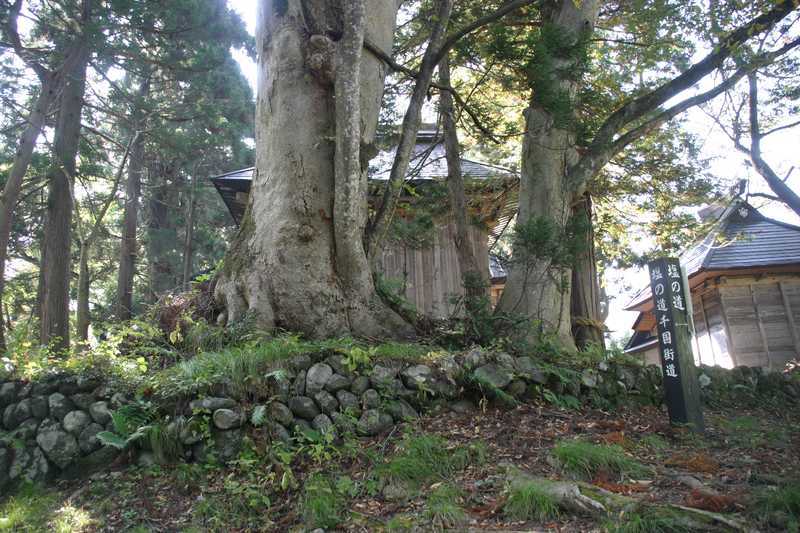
[(547, 154), (284, 264), (473, 277), (587, 318), (161, 231), (130, 219), (58, 214)]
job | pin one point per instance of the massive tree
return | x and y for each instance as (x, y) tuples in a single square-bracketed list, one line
[(298, 260), (560, 158)]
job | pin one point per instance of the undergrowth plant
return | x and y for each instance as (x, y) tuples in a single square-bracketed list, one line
[(423, 458), (586, 460), (529, 500), (648, 520), (781, 505), (323, 505), (443, 508)]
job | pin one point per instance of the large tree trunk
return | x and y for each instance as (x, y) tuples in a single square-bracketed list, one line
[(22, 159), (473, 277), (58, 215), (130, 219), (587, 319), (534, 288), (283, 264), (161, 232)]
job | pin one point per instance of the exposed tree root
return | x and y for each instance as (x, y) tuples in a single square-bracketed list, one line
[(587, 499)]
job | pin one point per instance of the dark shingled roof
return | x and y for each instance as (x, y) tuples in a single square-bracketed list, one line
[(428, 163), (741, 238)]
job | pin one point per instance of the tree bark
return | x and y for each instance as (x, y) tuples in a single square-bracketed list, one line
[(473, 278), (161, 232), (778, 186), (379, 227), (284, 264), (587, 319), (533, 289), (130, 220), (22, 159), (83, 316), (189, 236), (58, 214)]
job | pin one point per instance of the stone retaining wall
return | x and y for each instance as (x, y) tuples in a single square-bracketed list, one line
[(50, 427)]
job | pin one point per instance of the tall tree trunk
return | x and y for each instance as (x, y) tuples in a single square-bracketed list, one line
[(189, 236), (58, 215), (587, 319), (161, 232), (83, 317), (534, 289), (473, 277), (22, 159), (130, 219), (284, 264)]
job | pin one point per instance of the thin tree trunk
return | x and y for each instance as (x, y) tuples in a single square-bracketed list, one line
[(130, 220), (587, 319), (22, 160), (83, 316), (58, 215), (189, 237), (473, 278), (161, 233), (412, 119)]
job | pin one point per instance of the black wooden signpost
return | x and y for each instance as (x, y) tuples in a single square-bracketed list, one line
[(671, 309)]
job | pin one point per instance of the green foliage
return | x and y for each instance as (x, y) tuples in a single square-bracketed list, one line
[(322, 504), (423, 458), (649, 520), (557, 55), (35, 508), (357, 357), (529, 500), (443, 510), (584, 459), (781, 504)]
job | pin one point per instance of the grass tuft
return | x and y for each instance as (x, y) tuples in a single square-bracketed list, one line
[(584, 459), (427, 457), (783, 504), (648, 520), (443, 508), (322, 504), (528, 500)]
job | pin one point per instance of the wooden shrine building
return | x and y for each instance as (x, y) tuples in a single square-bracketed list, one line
[(420, 259), (744, 278)]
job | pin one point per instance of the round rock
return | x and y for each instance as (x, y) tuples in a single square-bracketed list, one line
[(360, 385), (370, 399), (337, 382), (280, 413), (327, 403), (212, 404), (100, 413), (76, 421), (58, 445), (374, 422), (417, 377), (494, 375), (59, 405), (227, 419), (87, 440), (304, 407), (348, 402), (317, 377)]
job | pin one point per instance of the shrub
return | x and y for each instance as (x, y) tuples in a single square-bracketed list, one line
[(322, 504), (443, 509)]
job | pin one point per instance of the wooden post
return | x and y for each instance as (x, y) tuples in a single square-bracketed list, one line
[(682, 391), (790, 318), (708, 331), (762, 331)]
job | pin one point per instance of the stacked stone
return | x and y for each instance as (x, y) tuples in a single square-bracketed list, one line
[(51, 426)]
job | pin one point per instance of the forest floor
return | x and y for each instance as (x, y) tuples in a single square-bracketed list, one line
[(458, 480)]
